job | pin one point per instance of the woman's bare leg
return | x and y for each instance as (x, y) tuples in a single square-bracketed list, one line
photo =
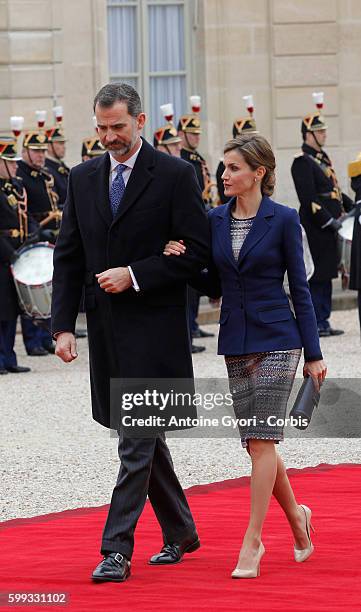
[(283, 492), (264, 469)]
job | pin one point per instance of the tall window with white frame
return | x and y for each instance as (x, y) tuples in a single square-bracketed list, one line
[(149, 48)]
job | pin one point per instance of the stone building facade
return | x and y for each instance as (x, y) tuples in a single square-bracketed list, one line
[(278, 50)]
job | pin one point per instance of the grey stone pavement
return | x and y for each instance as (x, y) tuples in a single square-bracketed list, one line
[(54, 457)]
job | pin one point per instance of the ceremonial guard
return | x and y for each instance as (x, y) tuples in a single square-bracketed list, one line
[(91, 147), (55, 156), (322, 205), (166, 138), (354, 171), (189, 129), (43, 207), (243, 125), (14, 229)]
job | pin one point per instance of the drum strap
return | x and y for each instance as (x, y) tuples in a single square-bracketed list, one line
[(330, 173)]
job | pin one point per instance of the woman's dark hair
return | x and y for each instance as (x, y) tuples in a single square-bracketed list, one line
[(256, 152)]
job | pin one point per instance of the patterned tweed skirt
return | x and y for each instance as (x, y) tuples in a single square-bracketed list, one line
[(261, 384)]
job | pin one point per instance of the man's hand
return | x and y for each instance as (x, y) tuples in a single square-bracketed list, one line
[(66, 347), (115, 280)]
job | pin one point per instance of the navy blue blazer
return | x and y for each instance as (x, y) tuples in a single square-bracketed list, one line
[(256, 314)]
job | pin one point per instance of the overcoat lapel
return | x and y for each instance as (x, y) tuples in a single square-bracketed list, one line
[(100, 180), (139, 179)]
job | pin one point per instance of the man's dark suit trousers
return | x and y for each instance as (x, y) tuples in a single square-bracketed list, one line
[(146, 469)]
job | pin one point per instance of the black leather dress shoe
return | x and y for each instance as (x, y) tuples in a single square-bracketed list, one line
[(326, 333), (197, 349), (50, 348), (38, 351), (81, 333), (115, 567), (173, 553), (18, 369), (200, 333), (3, 372), (336, 332)]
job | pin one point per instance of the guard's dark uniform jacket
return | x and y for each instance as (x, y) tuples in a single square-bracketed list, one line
[(60, 173), (321, 200), (14, 225), (203, 175), (198, 162), (42, 197)]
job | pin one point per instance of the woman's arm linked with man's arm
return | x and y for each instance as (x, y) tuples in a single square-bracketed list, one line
[(207, 281)]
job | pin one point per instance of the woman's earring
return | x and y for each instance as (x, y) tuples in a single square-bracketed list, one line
[(255, 180)]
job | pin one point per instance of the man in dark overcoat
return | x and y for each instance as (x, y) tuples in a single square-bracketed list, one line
[(121, 209), (322, 205)]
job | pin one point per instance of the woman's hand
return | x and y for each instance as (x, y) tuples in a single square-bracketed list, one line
[(174, 248), (317, 370)]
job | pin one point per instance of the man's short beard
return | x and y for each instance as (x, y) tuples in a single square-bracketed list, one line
[(122, 151), (126, 148)]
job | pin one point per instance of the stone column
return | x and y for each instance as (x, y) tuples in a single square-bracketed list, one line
[(281, 51), (85, 64), (305, 47), (350, 82), (232, 60), (52, 50), (31, 70)]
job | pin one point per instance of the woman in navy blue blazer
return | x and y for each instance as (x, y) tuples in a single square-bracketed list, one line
[(254, 242)]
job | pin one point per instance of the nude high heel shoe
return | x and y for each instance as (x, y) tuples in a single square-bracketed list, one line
[(302, 555), (252, 572)]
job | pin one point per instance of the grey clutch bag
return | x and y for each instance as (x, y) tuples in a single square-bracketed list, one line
[(306, 401)]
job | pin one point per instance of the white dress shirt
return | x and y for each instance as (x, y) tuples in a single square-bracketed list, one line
[(126, 175)]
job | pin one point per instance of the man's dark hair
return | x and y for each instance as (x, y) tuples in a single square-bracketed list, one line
[(119, 92)]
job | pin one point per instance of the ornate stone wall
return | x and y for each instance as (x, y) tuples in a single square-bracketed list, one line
[(278, 50)]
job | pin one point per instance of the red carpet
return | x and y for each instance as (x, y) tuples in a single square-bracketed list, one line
[(57, 552)]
